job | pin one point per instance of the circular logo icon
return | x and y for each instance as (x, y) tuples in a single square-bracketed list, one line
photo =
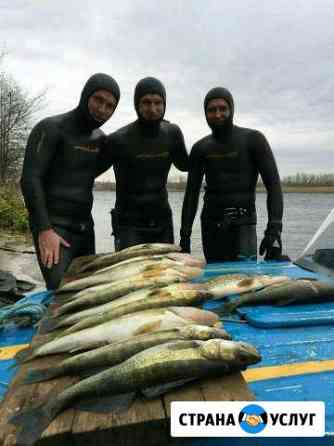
[(253, 419)]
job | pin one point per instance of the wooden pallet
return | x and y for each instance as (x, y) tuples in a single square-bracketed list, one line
[(146, 423)]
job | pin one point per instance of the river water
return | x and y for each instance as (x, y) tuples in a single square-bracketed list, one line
[(303, 213)]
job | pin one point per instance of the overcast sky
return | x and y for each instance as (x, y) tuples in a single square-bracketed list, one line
[(276, 57)]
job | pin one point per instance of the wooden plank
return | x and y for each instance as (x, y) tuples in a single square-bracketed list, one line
[(121, 429), (231, 387)]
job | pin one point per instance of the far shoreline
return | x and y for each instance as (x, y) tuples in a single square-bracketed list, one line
[(177, 187)]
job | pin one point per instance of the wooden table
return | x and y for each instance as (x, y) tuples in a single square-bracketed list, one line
[(146, 423)]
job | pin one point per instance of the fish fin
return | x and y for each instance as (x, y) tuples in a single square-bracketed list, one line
[(24, 355), (87, 373), (107, 403), (161, 389), (282, 303), (78, 349), (147, 328), (228, 307), (38, 375), (33, 422), (180, 345), (246, 282)]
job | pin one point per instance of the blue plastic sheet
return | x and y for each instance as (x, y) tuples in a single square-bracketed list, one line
[(11, 335)]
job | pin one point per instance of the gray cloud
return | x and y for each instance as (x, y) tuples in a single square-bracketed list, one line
[(275, 56)]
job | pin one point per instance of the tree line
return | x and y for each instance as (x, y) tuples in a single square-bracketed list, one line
[(17, 109)]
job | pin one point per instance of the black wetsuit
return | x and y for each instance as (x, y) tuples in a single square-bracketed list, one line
[(61, 162), (141, 154), (141, 163), (231, 158)]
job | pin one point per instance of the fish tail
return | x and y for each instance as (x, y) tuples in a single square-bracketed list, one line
[(32, 422), (229, 307), (38, 375), (81, 325), (48, 324)]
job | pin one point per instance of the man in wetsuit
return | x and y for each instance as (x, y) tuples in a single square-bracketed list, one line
[(141, 154), (231, 158), (61, 162)]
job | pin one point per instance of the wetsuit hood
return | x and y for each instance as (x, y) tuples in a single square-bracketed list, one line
[(98, 81), (149, 85), (222, 129)]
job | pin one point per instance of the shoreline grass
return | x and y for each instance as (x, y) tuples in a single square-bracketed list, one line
[(13, 214)]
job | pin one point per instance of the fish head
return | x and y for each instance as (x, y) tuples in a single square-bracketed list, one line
[(202, 332), (236, 353)]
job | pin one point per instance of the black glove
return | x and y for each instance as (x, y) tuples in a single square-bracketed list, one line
[(271, 245), (185, 243)]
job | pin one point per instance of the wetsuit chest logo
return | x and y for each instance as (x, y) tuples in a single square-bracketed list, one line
[(87, 148), (152, 155), (228, 155)]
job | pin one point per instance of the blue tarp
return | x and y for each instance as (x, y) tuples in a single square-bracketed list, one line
[(13, 336)]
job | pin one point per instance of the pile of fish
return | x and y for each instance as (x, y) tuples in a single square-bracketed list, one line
[(128, 324)]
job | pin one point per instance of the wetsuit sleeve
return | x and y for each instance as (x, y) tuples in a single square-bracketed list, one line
[(179, 153), (105, 158), (194, 182), (40, 151), (267, 167)]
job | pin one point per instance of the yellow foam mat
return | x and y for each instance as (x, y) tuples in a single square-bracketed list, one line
[(281, 371)]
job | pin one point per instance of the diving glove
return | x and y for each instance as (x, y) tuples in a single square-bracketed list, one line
[(271, 245)]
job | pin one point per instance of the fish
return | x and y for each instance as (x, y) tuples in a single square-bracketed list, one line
[(165, 363), (181, 258), (225, 287), (101, 261), (121, 328), (290, 292), (117, 352), (117, 272), (105, 293), (173, 295), (129, 301)]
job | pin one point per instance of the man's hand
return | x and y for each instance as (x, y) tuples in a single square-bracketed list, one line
[(49, 247), (185, 244)]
